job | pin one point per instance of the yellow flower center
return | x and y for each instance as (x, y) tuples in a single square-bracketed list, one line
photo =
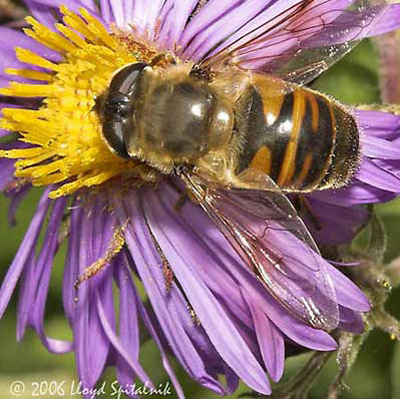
[(67, 147)]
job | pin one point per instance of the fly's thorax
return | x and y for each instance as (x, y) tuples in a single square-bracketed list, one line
[(177, 119), (222, 165)]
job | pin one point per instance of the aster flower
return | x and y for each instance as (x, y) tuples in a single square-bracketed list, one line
[(205, 306)]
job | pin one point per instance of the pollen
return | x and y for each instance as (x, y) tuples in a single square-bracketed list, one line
[(62, 134), (115, 247)]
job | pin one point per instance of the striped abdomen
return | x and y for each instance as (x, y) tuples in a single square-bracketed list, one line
[(303, 140)]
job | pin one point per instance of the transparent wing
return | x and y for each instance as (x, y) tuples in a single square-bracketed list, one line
[(264, 229), (297, 40)]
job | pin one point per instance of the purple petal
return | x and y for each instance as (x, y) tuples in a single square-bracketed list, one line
[(6, 172), (224, 256), (25, 250), (35, 287), (41, 12), (270, 340), (175, 21), (380, 177), (109, 331), (231, 26), (25, 295), (156, 335), (348, 294), (91, 343), (379, 124), (389, 21), (375, 147), (71, 269), (218, 20), (291, 270), (351, 321), (41, 279), (357, 193), (232, 380), (337, 223), (218, 326), (128, 342), (165, 304), (118, 12), (105, 11), (145, 17)]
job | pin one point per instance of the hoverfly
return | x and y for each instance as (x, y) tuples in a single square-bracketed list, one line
[(241, 130)]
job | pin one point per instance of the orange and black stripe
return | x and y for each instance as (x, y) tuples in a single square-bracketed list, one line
[(292, 138)]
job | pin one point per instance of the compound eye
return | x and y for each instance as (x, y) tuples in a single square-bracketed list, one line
[(116, 107), (125, 80)]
